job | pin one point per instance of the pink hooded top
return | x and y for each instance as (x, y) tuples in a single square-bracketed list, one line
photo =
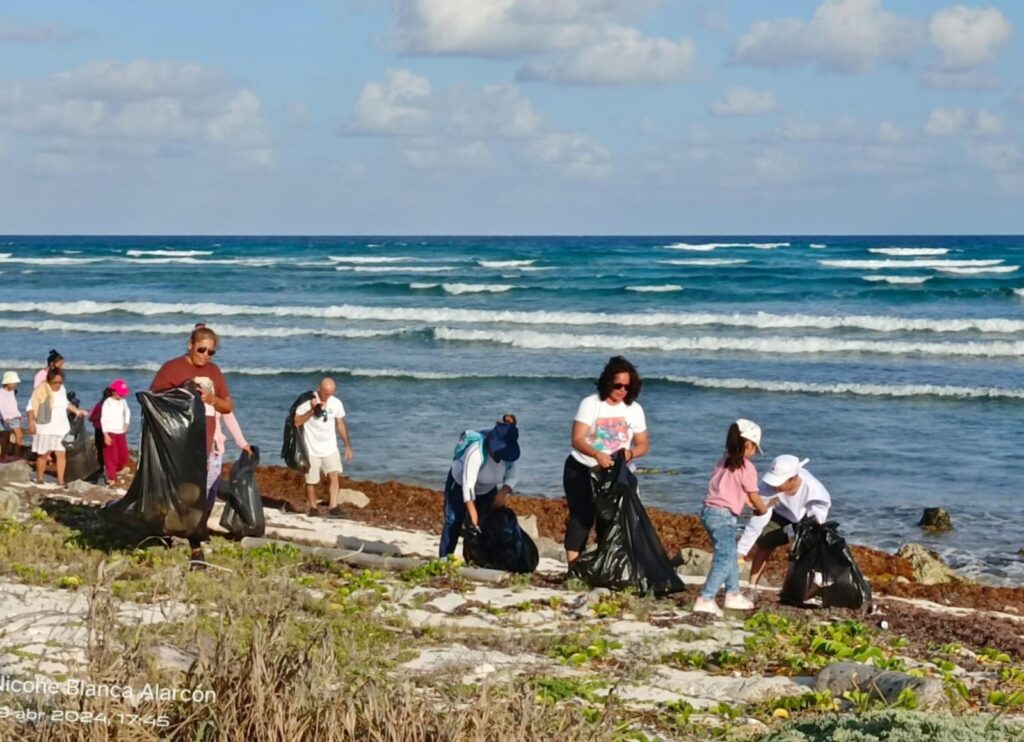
[(219, 439)]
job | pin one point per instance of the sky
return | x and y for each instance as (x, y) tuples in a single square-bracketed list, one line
[(685, 117)]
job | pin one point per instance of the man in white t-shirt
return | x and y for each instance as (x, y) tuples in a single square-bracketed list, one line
[(794, 494), (318, 419)]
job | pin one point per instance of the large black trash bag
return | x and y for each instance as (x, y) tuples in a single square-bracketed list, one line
[(243, 513), (822, 571), (168, 493), (629, 553), (80, 453), (293, 448), (502, 544)]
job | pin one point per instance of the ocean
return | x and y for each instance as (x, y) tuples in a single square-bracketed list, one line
[(896, 364)]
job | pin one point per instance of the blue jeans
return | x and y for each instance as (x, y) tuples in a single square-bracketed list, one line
[(720, 524), (455, 513)]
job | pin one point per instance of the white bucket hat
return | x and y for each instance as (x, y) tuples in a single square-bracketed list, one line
[(751, 431), (783, 469), (10, 377)]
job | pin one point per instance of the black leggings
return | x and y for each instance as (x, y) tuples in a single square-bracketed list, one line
[(579, 493)]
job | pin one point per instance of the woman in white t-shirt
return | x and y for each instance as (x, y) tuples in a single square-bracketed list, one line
[(48, 437), (605, 423)]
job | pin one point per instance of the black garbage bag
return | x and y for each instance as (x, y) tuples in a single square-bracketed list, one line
[(293, 448), (502, 544), (243, 513), (168, 493), (822, 570), (629, 553), (80, 453)]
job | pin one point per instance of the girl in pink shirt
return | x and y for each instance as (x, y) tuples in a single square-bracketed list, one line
[(733, 486)]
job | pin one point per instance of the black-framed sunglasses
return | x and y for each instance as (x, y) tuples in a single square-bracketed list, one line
[(621, 386), (207, 352)]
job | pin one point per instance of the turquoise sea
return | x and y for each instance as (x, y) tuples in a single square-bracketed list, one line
[(895, 363)]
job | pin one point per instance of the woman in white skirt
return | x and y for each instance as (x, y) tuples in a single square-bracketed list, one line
[(48, 437)]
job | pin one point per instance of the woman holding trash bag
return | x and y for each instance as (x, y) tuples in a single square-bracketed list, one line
[(48, 422), (606, 422), (197, 366)]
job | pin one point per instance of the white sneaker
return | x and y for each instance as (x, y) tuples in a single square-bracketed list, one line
[(736, 602), (703, 605)]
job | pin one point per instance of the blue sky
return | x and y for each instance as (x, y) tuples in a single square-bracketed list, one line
[(511, 116)]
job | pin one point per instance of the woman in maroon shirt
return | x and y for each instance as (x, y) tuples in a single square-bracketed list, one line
[(197, 366)]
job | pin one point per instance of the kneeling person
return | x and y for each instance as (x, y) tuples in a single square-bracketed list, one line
[(318, 418), (795, 494)]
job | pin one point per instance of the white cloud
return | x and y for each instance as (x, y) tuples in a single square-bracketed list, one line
[(740, 101), (948, 122), (141, 108), (967, 37), (999, 157), (581, 42), (850, 36), (458, 128), (14, 32), (394, 105), (574, 154), (972, 81), (890, 133), (625, 56)]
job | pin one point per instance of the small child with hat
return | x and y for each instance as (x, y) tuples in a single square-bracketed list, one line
[(10, 417), (115, 417)]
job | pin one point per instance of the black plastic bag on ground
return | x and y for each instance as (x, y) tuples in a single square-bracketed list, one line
[(80, 453), (293, 447), (168, 494), (243, 512), (629, 553), (822, 570), (502, 544)]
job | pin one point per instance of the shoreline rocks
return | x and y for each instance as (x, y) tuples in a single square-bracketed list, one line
[(929, 569), (936, 520)]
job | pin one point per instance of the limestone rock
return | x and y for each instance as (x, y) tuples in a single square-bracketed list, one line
[(355, 498), (15, 471), (928, 568), (884, 685), (936, 519), (529, 525), (695, 563), (10, 504), (548, 548)]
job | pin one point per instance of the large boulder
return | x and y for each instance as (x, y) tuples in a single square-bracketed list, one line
[(935, 519), (355, 498), (15, 471), (929, 569), (882, 685), (693, 563)]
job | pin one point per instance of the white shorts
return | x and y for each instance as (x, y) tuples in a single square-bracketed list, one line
[(328, 464)]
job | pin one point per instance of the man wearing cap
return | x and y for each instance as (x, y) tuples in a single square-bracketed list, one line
[(10, 417), (795, 494), (483, 474)]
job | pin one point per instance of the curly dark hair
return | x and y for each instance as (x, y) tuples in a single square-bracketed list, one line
[(619, 365)]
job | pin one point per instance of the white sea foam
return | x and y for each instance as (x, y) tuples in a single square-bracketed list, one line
[(168, 253), (366, 259), (709, 246), (533, 340), (665, 288), (705, 261), (429, 315), (872, 265), (5, 255), (1019, 292), (72, 252), (248, 262), (394, 269), (184, 329), (422, 286), (898, 279), (498, 264), (975, 271), (476, 288), (818, 246), (47, 261), (909, 251), (869, 390)]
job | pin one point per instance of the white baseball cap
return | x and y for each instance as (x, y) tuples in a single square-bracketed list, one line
[(751, 431), (783, 469)]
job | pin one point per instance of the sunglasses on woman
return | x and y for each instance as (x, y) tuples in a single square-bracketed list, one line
[(617, 387), (207, 352)]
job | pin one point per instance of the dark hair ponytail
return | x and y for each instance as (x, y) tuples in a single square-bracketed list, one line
[(735, 448), (53, 357)]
